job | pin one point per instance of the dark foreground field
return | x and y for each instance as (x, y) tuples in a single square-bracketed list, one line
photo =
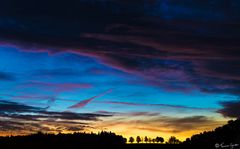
[(102, 146), (156, 146)]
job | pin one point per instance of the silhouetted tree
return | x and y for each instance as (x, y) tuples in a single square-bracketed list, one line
[(131, 139), (146, 139), (159, 139), (138, 139), (124, 140), (173, 140), (188, 140), (39, 133), (153, 140), (150, 140)]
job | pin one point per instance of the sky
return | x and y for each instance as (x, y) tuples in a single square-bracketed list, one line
[(136, 68)]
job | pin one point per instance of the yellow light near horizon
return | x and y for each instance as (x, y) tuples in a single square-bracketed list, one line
[(127, 130)]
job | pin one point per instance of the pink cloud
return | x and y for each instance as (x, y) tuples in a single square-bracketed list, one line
[(57, 87), (83, 103)]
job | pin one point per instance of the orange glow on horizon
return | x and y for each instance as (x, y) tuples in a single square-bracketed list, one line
[(130, 129)]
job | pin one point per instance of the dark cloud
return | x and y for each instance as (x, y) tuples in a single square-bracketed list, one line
[(13, 107), (28, 119), (58, 115), (10, 125), (17, 110), (74, 116), (230, 109), (6, 76), (21, 128), (178, 125), (175, 45), (193, 119), (74, 129)]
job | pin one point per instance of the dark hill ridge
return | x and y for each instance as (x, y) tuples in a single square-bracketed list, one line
[(227, 134)]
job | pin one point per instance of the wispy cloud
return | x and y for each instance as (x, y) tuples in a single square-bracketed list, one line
[(157, 105), (13, 107), (56, 87), (147, 122), (34, 97), (83, 103)]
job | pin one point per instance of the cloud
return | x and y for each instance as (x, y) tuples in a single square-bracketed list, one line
[(171, 45), (34, 97), (25, 119), (56, 87), (230, 109), (155, 122), (9, 127), (15, 110), (6, 76), (57, 115), (83, 103), (74, 116), (149, 114), (157, 105), (13, 107), (182, 124)]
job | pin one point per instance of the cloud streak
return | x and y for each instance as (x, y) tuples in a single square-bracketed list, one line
[(157, 105), (56, 87), (83, 103)]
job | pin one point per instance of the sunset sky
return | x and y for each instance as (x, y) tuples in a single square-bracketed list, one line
[(134, 67)]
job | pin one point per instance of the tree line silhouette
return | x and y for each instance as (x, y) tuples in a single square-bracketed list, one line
[(81, 140), (171, 140)]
